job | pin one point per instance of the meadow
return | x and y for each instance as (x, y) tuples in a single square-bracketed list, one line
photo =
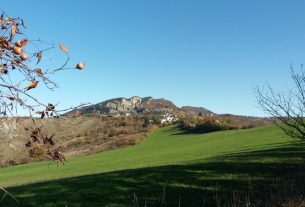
[(170, 168)]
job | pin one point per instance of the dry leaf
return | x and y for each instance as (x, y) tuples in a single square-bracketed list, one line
[(23, 42), (39, 56), (10, 98), (13, 30), (38, 71), (32, 85), (8, 20), (63, 48)]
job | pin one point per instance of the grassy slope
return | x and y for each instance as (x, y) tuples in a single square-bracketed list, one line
[(170, 158), (165, 146)]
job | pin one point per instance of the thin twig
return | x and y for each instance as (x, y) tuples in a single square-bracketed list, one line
[(8, 193)]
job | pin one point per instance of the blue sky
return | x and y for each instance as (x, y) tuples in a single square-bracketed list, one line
[(193, 52)]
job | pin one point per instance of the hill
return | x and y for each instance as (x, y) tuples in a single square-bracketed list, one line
[(137, 105), (76, 136), (195, 110), (169, 166)]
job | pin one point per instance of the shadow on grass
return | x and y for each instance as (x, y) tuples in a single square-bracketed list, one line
[(173, 131), (181, 131), (254, 176)]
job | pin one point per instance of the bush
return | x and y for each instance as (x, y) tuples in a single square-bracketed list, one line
[(200, 124), (206, 127)]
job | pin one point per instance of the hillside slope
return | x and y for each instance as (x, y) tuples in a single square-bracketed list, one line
[(77, 136), (165, 146), (169, 166)]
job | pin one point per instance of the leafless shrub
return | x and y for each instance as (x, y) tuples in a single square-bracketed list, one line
[(286, 107)]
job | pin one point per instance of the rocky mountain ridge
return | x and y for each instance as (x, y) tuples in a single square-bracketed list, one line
[(138, 105)]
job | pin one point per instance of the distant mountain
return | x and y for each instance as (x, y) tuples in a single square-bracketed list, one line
[(196, 110), (114, 106), (157, 104), (138, 105)]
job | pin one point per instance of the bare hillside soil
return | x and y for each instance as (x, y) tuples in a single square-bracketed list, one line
[(76, 136)]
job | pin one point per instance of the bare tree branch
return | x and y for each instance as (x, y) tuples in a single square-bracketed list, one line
[(285, 107), (7, 193)]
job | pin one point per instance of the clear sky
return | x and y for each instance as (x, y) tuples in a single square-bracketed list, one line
[(193, 52)]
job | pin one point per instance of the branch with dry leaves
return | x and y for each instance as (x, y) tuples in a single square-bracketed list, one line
[(16, 60), (20, 74), (23, 69)]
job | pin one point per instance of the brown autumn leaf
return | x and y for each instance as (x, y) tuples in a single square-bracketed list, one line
[(11, 98), (63, 48), (39, 56), (32, 85), (38, 71), (23, 42), (8, 20), (13, 30)]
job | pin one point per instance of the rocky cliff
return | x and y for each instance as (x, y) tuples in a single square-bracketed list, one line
[(138, 105)]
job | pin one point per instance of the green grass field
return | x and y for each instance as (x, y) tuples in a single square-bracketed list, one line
[(170, 168)]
